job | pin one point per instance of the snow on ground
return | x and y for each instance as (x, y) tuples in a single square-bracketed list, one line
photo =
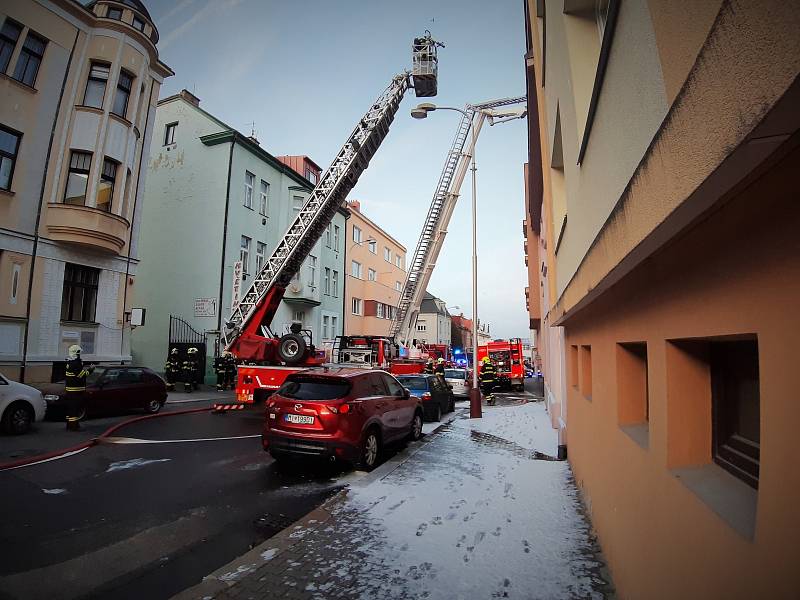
[(527, 425)]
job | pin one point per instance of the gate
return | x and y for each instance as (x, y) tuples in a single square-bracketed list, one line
[(183, 336)]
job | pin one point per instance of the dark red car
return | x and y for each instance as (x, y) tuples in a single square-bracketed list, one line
[(340, 413)]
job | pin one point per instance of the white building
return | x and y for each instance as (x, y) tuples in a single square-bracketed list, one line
[(433, 323)]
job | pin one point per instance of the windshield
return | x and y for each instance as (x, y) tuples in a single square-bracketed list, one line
[(305, 388), (414, 383), (455, 374)]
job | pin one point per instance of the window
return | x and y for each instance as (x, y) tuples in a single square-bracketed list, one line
[(249, 180), (633, 404), (326, 327), (356, 235), (356, 306), (114, 13), (9, 146), (124, 84), (334, 326), (736, 410), (422, 327), (371, 275), (326, 284), (312, 270), (138, 23), (379, 310), (244, 254), (398, 261), (79, 296), (393, 387), (398, 286), (336, 238), (29, 59), (105, 189), (387, 254), (261, 250), (96, 85), (373, 246), (297, 203), (77, 178), (299, 316), (335, 284), (9, 34), (263, 204), (356, 270), (169, 133), (328, 236), (311, 176)]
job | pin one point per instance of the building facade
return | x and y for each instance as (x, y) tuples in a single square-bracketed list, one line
[(375, 277), (662, 204), (78, 87), (433, 323), (217, 204)]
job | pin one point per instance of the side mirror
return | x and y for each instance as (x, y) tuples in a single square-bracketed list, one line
[(406, 394)]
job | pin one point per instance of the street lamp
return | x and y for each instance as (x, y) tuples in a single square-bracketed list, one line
[(421, 112)]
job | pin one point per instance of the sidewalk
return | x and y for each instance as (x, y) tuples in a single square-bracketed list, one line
[(477, 510)]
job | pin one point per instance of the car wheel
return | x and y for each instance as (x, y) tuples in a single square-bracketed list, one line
[(18, 418), (370, 450), (153, 406), (416, 427)]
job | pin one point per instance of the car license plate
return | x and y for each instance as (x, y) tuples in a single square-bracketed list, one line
[(302, 419)]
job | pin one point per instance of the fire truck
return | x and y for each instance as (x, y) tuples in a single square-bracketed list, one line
[(508, 358)]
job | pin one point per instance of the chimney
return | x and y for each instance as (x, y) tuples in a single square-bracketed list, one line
[(354, 205), (190, 98)]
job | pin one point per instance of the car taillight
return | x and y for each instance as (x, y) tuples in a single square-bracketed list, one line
[(342, 409), (426, 396)]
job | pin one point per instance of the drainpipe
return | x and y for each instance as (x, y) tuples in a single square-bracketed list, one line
[(344, 277), (39, 214), (225, 233)]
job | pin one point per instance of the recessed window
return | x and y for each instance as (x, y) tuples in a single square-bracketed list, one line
[(373, 246), (249, 182), (356, 235), (30, 57), (422, 327), (326, 327), (573, 366), (121, 98), (244, 254), (372, 275), (9, 34), (96, 85), (379, 310), (356, 270), (169, 133), (105, 189), (261, 251), (356, 307), (312, 176), (326, 281), (312, 270), (336, 238), (398, 286), (633, 400), (114, 13), (586, 371), (387, 254), (9, 147), (263, 204), (335, 284), (297, 203), (328, 236), (78, 178), (79, 294), (138, 23)]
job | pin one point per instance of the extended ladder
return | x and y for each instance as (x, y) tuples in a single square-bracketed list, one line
[(435, 228)]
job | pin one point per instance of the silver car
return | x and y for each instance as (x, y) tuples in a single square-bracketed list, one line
[(20, 406), (457, 378)]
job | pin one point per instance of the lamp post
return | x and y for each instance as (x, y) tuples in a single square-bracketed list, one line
[(421, 112)]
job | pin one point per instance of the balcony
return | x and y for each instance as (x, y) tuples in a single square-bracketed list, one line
[(76, 224)]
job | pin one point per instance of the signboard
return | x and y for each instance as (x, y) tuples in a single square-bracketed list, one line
[(237, 284), (137, 317), (205, 307)]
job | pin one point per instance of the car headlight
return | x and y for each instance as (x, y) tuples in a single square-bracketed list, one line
[(50, 398)]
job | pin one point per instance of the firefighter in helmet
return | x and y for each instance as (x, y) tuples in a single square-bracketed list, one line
[(172, 369), (488, 377), (230, 370), (439, 369), (76, 387), (429, 367), (219, 369), (190, 366)]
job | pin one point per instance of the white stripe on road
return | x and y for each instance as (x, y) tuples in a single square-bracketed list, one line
[(38, 462), (124, 440)]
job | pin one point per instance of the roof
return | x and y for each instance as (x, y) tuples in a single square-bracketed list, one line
[(429, 306)]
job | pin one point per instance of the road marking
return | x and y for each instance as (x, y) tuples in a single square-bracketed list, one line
[(38, 462), (125, 440), (134, 464)]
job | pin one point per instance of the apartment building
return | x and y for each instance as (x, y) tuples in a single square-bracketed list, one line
[(376, 274), (662, 216), (217, 204), (78, 87), (433, 323)]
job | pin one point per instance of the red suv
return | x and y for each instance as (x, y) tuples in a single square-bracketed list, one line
[(345, 413)]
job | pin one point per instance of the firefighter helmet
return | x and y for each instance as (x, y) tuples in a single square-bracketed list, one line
[(192, 350), (174, 351), (74, 351), (486, 359), (441, 360)]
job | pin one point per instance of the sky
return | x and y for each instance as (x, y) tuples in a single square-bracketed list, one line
[(305, 71)]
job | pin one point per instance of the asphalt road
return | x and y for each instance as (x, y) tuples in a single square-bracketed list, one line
[(129, 519)]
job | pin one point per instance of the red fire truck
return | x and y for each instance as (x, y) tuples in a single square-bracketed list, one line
[(509, 360)]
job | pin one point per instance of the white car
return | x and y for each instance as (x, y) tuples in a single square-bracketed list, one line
[(457, 378), (20, 406)]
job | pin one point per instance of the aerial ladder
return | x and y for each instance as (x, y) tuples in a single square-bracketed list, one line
[(246, 332), (441, 209)]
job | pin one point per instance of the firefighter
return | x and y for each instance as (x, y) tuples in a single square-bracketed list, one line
[(190, 366), (220, 368), (439, 369), (76, 387), (488, 377), (429, 367), (230, 370), (172, 369)]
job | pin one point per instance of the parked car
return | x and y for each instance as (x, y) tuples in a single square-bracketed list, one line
[(20, 406), (436, 395), (458, 381), (346, 413), (112, 389)]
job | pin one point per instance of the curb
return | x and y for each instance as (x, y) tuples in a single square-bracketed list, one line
[(229, 575), (22, 462)]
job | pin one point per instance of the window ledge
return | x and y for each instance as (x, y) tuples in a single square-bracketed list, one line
[(91, 109), (9, 193), (18, 83), (122, 120), (639, 433), (91, 324), (732, 500)]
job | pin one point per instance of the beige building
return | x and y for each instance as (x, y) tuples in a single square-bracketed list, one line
[(662, 195), (78, 88), (375, 264)]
